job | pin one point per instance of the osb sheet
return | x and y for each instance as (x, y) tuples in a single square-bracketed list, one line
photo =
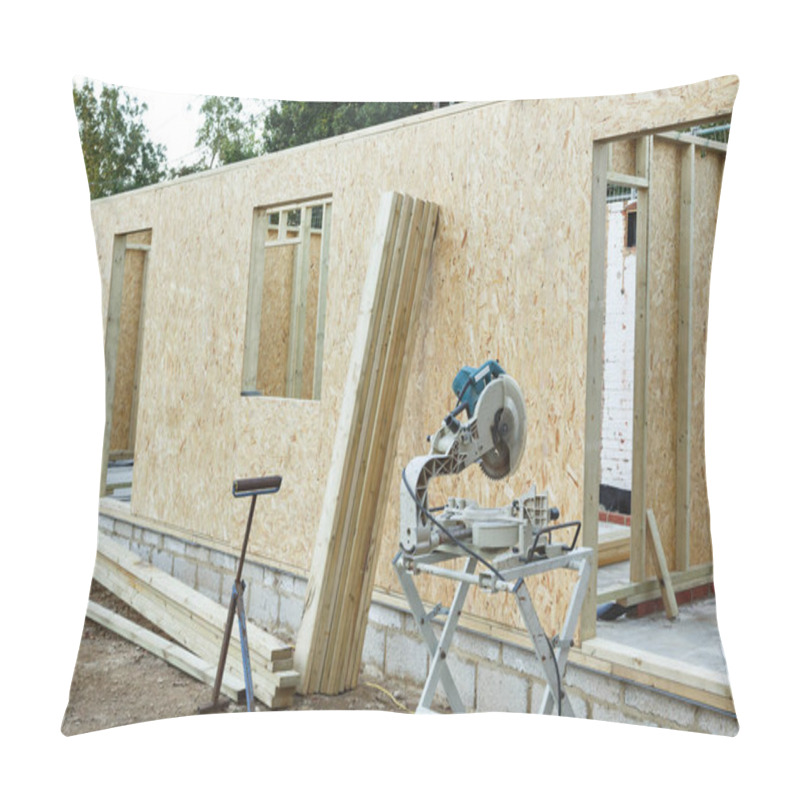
[(127, 350), (276, 306), (664, 263), (662, 397), (508, 280), (709, 167)]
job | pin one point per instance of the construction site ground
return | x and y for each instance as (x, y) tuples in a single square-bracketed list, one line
[(116, 682)]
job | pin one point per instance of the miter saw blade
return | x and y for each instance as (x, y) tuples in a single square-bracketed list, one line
[(496, 463)]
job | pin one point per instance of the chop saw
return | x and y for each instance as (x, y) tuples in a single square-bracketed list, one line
[(510, 543)]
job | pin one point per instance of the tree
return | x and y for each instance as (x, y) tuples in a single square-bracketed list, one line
[(292, 123), (226, 133), (117, 149)]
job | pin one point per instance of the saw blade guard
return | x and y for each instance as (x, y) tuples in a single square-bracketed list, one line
[(501, 425)]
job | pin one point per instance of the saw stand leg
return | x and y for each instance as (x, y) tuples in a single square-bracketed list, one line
[(551, 654), (439, 671)]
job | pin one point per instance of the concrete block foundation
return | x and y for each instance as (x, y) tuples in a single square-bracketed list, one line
[(491, 675)]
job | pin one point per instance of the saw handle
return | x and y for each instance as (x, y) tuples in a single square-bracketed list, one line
[(246, 487)]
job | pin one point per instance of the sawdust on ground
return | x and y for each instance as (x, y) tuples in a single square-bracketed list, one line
[(116, 682)]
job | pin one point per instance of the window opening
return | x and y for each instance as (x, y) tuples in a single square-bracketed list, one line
[(285, 329)]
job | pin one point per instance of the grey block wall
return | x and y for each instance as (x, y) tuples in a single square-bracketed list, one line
[(490, 675)]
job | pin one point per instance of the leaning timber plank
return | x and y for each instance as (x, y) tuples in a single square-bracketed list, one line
[(384, 434), (667, 592), (342, 525), (265, 685), (191, 629), (368, 442), (312, 633), (270, 646), (183, 623), (166, 650)]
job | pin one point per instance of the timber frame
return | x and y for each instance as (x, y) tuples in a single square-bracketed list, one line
[(513, 292), (685, 576)]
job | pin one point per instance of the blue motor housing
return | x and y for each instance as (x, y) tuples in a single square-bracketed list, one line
[(471, 381)]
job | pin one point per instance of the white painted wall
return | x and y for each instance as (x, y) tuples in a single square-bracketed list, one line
[(616, 449)]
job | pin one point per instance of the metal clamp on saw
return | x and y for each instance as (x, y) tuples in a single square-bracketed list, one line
[(513, 542)]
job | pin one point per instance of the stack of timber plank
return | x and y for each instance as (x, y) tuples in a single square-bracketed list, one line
[(196, 622), (331, 635)]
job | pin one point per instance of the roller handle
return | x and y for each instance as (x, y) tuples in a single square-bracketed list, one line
[(246, 487)]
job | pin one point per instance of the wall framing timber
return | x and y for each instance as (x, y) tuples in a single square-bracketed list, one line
[(124, 344), (667, 429), (517, 293)]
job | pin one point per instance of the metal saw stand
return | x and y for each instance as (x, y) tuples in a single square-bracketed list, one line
[(551, 654)]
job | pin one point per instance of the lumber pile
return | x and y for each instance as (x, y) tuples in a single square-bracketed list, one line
[(166, 650), (196, 622), (331, 635)]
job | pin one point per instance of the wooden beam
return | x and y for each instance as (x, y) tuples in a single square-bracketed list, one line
[(297, 322), (685, 348), (314, 627), (113, 313), (331, 634), (387, 482), (255, 291), (194, 621), (594, 377), (667, 592), (631, 181), (630, 594), (322, 300), (168, 651), (137, 368), (644, 148), (699, 141)]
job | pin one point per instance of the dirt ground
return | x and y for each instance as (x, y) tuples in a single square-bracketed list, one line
[(116, 682)]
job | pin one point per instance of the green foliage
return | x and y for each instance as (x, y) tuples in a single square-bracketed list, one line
[(117, 149), (292, 123), (226, 134)]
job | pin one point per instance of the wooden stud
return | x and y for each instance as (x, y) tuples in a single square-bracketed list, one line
[(644, 154), (255, 289), (667, 592), (322, 300), (699, 141), (631, 181), (685, 348), (294, 364), (137, 369), (114, 310), (594, 377)]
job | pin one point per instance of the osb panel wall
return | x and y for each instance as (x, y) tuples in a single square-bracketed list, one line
[(276, 306), (662, 386), (508, 280)]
